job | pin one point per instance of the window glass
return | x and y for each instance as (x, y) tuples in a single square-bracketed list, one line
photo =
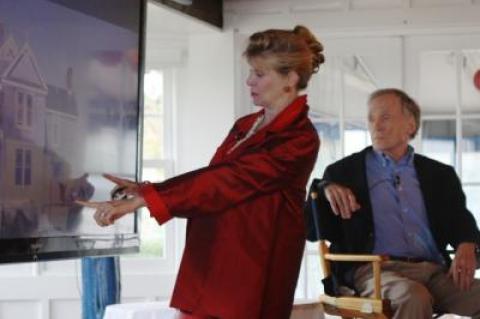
[(28, 168), (153, 121), (19, 167), (19, 114), (29, 115), (473, 200), (470, 150), (152, 236), (438, 140), (356, 136), (330, 146)]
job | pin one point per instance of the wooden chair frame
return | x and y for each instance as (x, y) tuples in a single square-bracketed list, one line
[(353, 306)]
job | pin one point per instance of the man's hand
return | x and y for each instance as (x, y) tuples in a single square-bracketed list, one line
[(463, 266), (341, 199)]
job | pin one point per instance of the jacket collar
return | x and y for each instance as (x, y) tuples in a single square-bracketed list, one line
[(290, 114), (286, 117), (298, 109)]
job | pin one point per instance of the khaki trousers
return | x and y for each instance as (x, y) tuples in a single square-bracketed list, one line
[(416, 290)]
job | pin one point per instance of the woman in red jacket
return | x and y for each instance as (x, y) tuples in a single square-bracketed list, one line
[(245, 232)]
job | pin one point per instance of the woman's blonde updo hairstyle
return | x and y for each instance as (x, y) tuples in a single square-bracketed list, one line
[(288, 50)]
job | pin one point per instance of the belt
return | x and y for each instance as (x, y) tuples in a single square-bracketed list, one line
[(407, 259)]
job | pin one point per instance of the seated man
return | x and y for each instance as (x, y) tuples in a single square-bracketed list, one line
[(388, 200)]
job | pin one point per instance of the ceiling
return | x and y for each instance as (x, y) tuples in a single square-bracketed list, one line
[(168, 31), (162, 19), (167, 35)]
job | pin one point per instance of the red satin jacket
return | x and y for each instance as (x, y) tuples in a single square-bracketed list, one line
[(245, 231)]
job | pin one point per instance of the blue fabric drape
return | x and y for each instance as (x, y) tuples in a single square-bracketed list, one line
[(101, 285)]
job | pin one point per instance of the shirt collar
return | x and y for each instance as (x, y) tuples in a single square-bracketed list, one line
[(385, 160)]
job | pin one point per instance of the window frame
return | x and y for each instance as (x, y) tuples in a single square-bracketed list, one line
[(2, 106), (23, 167), (24, 109), (174, 229)]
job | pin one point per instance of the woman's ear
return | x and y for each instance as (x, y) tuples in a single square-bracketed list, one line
[(292, 79)]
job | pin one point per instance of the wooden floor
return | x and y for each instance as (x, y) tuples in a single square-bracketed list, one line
[(444, 317), (307, 309)]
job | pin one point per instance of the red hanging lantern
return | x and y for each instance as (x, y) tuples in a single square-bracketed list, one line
[(476, 80)]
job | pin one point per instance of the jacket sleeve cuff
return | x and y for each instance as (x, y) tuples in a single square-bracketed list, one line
[(155, 203)]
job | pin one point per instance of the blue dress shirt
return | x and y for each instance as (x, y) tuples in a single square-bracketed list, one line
[(399, 215)]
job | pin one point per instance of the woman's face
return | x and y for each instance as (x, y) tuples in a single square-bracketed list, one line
[(267, 86)]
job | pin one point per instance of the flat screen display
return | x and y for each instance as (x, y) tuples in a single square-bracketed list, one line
[(69, 111)]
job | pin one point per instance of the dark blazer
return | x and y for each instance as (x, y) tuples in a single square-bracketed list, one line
[(449, 219)]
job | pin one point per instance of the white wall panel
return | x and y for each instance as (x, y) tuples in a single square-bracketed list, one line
[(26, 269), (435, 3), (376, 4), (318, 6), (60, 267), (206, 99), (348, 17), (20, 309), (65, 309)]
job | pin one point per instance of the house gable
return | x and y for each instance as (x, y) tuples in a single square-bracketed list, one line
[(8, 52), (8, 49), (24, 70)]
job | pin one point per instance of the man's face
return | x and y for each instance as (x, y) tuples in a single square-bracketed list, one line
[(390, 125)]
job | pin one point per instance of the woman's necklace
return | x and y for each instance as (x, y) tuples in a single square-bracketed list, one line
[(255, 127)]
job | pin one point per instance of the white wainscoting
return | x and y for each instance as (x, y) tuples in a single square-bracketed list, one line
[(52, 290)]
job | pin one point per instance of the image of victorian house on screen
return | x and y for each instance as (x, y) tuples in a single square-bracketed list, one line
[(68, 112)]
